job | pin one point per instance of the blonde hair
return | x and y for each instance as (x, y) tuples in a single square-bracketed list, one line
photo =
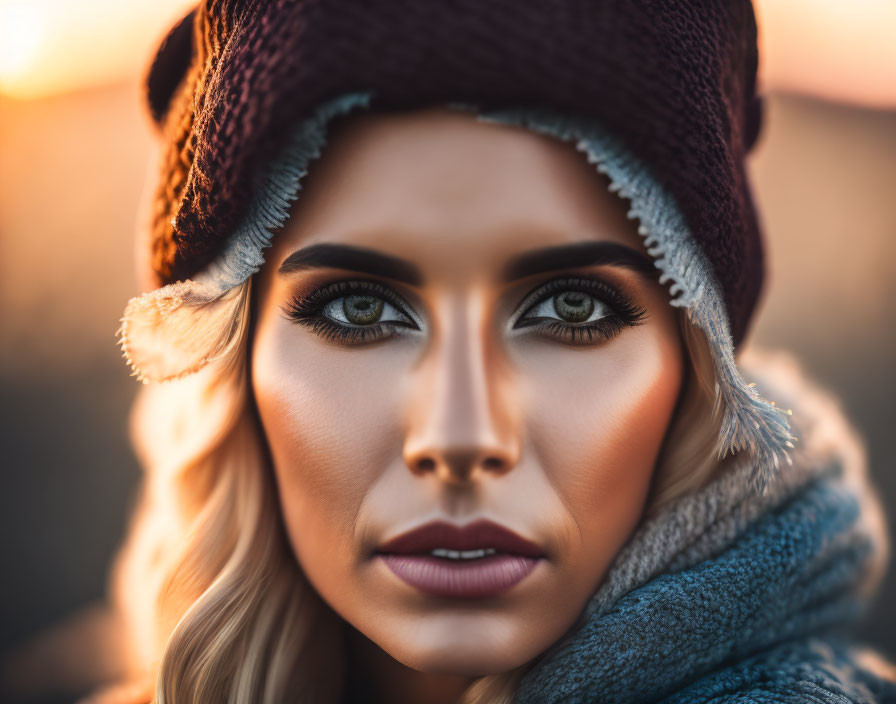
[(215, 605)]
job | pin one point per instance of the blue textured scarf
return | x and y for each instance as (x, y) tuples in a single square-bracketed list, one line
[(730, 596)]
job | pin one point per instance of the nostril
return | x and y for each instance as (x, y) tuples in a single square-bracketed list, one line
[(493, 463), (459, 464), (426, 464)]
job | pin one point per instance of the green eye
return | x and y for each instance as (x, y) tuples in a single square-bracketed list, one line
[(362, 310), (574, 306), (353, 312), (569, 306), (578, 311)]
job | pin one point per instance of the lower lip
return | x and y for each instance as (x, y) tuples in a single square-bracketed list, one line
[(486, 576)]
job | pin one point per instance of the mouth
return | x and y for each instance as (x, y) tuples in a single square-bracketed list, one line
[(478, 560)]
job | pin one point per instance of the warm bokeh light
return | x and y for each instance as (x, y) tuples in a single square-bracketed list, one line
[(53, 46), (836, 49), (830, 48), (21, 30)]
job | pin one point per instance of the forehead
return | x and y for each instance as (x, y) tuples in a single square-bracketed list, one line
[(450, 192)]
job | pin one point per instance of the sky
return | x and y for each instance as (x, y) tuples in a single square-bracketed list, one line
[(834, 49)]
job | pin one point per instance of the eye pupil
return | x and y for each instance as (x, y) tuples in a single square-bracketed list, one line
[(362, 310), (574, 306)]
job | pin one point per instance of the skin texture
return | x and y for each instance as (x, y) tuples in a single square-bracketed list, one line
[(466, 416)]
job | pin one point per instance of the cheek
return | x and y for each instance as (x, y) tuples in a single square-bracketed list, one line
[(597, 420), (330, 417)]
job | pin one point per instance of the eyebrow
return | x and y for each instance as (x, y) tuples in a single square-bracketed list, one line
[(578, 254), (343, 256), (369, 261)]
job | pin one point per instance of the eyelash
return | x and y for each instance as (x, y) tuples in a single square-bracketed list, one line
[(308, 311), (624, 313)]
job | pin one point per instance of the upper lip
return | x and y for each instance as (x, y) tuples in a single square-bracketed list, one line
[(472, 536)]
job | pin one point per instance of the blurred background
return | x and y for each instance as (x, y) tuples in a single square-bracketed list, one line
[(76, 146)]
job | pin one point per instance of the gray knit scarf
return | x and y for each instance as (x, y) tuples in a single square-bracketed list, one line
[(729, 595)]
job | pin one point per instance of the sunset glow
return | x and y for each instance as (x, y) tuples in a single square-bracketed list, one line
[(831, 48), (21, 30), (53, 46), (838, 50)]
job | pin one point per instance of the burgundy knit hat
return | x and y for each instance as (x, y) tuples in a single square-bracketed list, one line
[(658, 94), (675, 81)]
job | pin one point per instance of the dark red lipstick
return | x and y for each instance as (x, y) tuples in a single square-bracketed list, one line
[(476, 560)]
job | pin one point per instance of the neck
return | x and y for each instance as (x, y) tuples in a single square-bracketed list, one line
[(374, 676)]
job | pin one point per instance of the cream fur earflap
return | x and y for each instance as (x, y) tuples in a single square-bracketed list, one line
[(178, 329)]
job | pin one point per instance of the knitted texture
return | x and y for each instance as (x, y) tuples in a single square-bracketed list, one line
[(674, 81), (732, 596)]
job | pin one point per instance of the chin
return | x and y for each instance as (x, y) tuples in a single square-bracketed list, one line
[(473, 644)]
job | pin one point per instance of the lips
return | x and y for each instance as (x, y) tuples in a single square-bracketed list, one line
[(477, 560), (479, 535)]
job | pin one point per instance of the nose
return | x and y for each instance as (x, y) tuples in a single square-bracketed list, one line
[(461, 422)]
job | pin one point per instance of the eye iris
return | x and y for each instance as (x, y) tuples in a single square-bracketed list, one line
[(361, 310), (574, 306)]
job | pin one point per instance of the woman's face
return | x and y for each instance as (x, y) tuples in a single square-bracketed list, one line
[(458, 325)]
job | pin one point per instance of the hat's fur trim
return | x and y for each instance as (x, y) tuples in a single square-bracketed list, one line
[(158, 320), (176, 330), (160, 337)]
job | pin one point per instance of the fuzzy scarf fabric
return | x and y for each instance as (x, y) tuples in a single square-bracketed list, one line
[(730, 596)]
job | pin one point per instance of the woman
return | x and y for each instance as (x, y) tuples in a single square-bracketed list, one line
[(464, 421)]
